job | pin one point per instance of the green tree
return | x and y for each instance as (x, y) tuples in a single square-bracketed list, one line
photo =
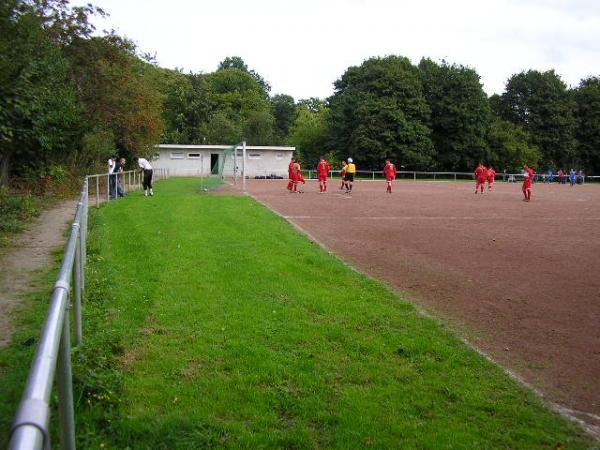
[(460, 114), (120, 92), (510, 148), (309, 134), (542, 105), (38, 106), (284, 110), (223, 127), (236, 62), (587, 113), (239, 100), (187, 103), (378, 111)]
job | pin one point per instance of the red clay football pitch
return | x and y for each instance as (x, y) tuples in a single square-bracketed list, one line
[(521, 280)]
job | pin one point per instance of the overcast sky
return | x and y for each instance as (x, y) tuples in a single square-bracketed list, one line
[(301, 47)]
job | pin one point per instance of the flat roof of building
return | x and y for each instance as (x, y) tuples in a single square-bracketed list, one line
[(223, 147)]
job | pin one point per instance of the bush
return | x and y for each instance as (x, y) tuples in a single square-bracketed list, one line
[(15, 211)]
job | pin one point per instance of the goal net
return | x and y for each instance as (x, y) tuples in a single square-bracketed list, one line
[(228, 161)]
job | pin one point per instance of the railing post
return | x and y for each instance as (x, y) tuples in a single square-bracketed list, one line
[(64, 386), (244, 166), (414, 176), (97, 191)]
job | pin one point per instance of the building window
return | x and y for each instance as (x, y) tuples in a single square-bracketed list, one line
[(193, 155), (254, 155), (177, 155), (279, 156)]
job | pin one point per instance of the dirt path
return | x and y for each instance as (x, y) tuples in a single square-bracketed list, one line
[(30, 253)]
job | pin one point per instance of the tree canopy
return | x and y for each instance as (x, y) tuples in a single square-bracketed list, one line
[(378, 111), (542, 105), (69, 98)]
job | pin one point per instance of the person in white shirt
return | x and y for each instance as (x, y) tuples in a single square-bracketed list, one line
[(112, 179), (146, 168)]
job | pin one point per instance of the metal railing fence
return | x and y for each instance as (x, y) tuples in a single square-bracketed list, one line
[(30, 428), (440, 176), (108, 187)]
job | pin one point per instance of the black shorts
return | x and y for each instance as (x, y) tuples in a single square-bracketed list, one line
[(349, 177)]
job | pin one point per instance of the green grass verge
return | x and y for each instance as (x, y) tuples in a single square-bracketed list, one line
[(210, 322)]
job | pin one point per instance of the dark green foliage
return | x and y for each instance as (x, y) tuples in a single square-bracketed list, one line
[(241, 110), (460, 114), (510, 148), (236, 62), (542, 105), (378, 111), (284, 110), (587, 112), (15, 211), (309, 132), (186, 106), (67, 99), (39, 109)]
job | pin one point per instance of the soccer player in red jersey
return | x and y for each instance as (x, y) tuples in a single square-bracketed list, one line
[(343, 174), (480, 176), (528, 174), (389, 170), (491, 175), (290, 185), (322, 173), (297, 177)]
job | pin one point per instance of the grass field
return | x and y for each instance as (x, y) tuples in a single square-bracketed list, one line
[(210, 322)]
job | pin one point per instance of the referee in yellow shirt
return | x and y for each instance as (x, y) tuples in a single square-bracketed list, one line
[(350, 172)]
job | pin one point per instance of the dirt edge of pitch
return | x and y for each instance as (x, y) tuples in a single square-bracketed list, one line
[(563, 411)]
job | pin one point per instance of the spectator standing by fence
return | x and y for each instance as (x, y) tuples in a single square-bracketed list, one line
[(119, 169), (112, 181), (146, 169)]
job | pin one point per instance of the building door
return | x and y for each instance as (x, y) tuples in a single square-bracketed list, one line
[(214, 163)]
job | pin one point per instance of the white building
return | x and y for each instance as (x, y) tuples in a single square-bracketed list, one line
[(196, 160)]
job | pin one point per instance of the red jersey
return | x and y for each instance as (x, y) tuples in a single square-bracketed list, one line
[(491, 174), (323, 168), (390, 170), (291, 169), (480, 172)]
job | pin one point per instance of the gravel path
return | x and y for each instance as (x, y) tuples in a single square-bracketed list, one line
[(30, 253)]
